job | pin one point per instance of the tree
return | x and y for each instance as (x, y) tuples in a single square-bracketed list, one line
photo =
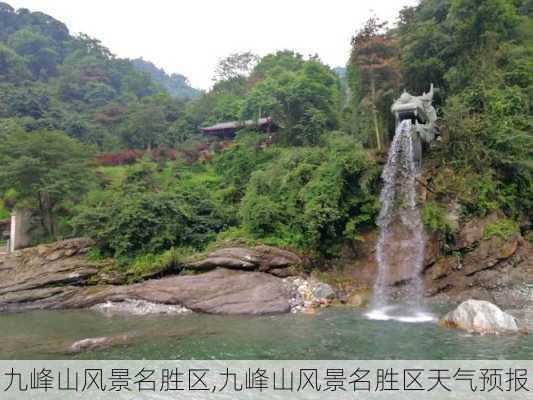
[(375, 55), (270, 64), (303, 102), (12, 67), (147, 121), (37, 50), (234, 66), (47, 169)]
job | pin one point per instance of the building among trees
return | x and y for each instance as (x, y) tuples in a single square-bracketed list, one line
[(227, 130)]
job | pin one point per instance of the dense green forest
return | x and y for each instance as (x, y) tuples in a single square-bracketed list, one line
[(96, 146)]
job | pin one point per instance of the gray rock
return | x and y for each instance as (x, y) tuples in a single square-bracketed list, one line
[(98, 343), (58, 276), (324, 291), (472, 231), (259, 258), (489, 253), (227, 262), (476, 316)]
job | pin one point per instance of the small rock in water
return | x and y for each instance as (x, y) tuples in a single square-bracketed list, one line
[(139, 307), (476, 316), (97, 343)]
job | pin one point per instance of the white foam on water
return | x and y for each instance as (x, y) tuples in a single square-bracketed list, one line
[(391, 313)]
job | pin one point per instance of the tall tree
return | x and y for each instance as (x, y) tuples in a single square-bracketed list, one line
[(375, 55)]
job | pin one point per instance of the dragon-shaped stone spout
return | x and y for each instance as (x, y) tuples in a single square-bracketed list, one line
[(420, 110)]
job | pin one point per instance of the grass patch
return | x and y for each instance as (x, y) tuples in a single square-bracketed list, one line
[(503, 228), (148, 265)]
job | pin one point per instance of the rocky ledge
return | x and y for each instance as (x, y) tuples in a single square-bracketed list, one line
[(227, 281)]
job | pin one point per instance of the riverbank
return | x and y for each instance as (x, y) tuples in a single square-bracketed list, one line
[(261, 280)]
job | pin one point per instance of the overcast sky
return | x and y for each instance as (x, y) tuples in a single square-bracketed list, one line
[(190, 36)]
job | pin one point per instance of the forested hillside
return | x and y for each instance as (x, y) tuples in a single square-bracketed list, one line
[(51, 80), (95, 147), (176, 85)]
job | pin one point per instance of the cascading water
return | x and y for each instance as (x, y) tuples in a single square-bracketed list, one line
[(401, 243)]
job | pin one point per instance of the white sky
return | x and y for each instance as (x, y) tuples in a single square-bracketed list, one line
[(190, 36)]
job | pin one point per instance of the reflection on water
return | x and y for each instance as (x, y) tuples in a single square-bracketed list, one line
[(338, 333)]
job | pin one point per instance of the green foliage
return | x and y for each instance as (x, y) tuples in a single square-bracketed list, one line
[(12, 67), (4, 212), (237, 163), (234, 66), (37, 50), (51, 80), (309, 197), (48, 169), (140, 217), (477, 53), (176, 85), (149, 264), (503, 228), (434, 217), (303, 102)]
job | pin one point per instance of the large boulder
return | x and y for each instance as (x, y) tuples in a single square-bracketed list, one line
[(258, 258), (221, 291), (477, 316), (59, 276)]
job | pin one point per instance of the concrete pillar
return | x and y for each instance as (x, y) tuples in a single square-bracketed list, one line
[(12, 233), (20, 230)]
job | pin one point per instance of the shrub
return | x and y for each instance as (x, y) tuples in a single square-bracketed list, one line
[(138, 217), (311, 197), (503, 228), (149, 264), (434, 217)]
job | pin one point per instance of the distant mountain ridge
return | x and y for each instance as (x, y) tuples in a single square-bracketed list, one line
[(177, 85)]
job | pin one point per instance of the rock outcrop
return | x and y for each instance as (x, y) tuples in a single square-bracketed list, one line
[(260, 258), (475, 316), (497, 269), (44, 273), (220, 291), (59, 276)]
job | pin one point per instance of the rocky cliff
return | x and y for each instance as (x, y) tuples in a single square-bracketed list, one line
[(497, 269)]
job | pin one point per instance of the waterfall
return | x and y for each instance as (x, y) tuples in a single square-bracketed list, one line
[(401, 242)]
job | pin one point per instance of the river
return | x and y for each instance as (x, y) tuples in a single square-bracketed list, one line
[(335, 333)]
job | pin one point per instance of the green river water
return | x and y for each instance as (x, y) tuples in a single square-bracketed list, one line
[(336, 333)]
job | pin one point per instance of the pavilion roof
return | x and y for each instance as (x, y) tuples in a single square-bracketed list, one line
[(234, 125)]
